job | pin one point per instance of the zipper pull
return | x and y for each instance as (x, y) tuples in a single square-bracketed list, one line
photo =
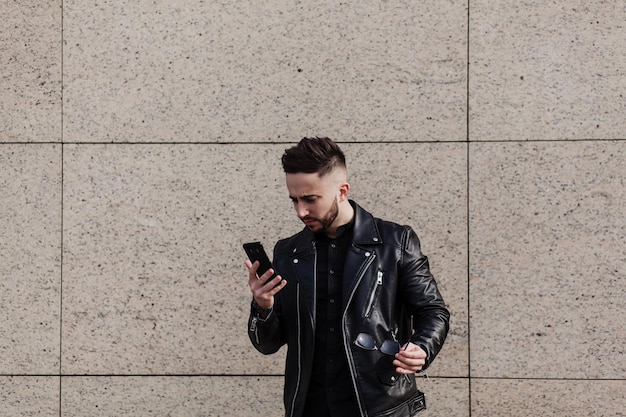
[(254, 329), (379, 283)]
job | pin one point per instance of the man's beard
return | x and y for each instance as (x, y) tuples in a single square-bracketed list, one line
[(327, 220)]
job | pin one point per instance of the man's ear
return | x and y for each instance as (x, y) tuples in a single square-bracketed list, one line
[(344, 191)]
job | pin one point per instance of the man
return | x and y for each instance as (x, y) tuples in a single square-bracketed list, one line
[(353, 299)]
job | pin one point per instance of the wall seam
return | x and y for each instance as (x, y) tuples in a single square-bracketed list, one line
[(467, 176), (60, 376)]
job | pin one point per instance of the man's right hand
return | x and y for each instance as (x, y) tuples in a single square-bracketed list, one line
[(263, 291)]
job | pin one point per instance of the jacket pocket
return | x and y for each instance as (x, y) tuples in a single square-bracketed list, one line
[(374, 294), (386, 371)]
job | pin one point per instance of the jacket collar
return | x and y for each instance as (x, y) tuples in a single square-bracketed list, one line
[(365, 229)]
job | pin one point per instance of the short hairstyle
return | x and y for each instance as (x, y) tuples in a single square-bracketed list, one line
[(313, 155)]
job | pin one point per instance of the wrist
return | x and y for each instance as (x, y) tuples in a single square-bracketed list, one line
[(262, 312)]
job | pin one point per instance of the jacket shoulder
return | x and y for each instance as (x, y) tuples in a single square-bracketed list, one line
[(295, 243), (394, 234)]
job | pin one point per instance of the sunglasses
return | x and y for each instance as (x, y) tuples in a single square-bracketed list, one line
[(367, 342)]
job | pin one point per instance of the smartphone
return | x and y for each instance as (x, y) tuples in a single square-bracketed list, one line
[(255, 252)]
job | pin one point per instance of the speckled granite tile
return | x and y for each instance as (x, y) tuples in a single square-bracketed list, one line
[(30, 258), (547, 70), (522, 398), (269, 70), (445, 397), (154, 275), (216, 396), (172, 396), (424, 185), (30, 93), (547, 260), (29, 396)]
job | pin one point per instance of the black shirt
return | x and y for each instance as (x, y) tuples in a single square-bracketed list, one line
[(331, 392)]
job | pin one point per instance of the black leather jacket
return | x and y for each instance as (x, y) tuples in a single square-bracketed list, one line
[(388, 292)]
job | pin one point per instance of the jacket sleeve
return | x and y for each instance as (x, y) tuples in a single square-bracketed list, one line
[(431, 318), (264, 332)]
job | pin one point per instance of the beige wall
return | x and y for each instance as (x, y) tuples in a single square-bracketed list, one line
[(140, 144)]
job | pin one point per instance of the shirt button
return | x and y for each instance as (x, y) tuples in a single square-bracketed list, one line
[(332, 245), (332, 300), (332, 329), (332, 272)]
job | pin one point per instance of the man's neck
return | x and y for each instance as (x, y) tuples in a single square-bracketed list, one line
[(346, 214)]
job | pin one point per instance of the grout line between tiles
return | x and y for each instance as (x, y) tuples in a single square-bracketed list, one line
[(467, 214), (209, 375), (423, 142), (62, 216)]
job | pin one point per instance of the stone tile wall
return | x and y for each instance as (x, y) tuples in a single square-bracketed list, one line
[(140, 145)]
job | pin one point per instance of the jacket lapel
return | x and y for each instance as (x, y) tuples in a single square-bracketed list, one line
[(366, 237), (303, 262)]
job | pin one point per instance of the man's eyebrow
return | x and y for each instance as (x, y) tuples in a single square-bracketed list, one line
[(303, 197)]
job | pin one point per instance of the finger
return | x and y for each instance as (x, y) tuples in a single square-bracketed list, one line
[(266, 276), (272, 286), (252, 268), (412, 351), (266, 291), (278, 284), (411, 355), (408, 367), (408, 371), (410, 361), (413, 364)]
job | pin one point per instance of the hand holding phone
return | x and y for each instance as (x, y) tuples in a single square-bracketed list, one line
[(263, 294), (255, 252)]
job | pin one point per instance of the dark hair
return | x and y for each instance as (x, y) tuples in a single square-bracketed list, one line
[(310, 155)]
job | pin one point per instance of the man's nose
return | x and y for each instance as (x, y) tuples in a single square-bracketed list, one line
[(301, 210)]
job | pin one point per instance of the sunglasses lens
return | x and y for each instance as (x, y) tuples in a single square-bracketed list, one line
[(390, 347), (365, 341)]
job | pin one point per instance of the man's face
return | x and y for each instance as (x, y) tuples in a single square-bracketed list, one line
[(315, 200)]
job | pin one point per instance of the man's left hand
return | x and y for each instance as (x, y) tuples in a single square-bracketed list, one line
[(410, 359)]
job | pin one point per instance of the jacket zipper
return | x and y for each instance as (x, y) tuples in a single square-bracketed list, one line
[(313, 315), (346, 343), (295, 394), (254, 329), (379, 284)]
